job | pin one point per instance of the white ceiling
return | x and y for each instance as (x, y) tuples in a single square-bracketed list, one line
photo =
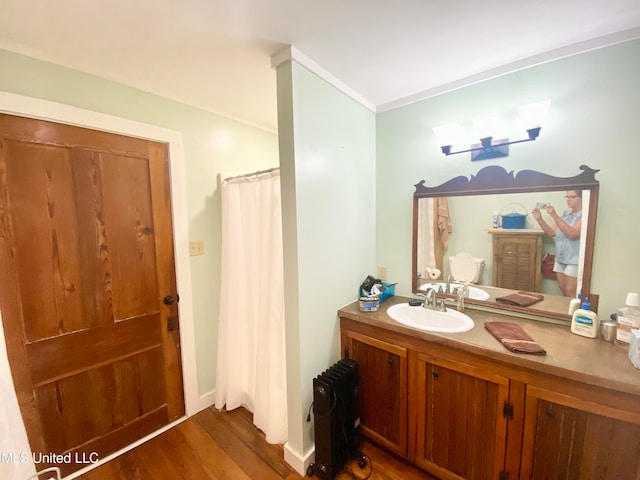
[(216, 54)]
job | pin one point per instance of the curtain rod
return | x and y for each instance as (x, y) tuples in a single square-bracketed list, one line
[(253, 175)]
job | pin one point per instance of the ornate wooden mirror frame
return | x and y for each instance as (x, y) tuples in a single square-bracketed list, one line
[(496, 180)]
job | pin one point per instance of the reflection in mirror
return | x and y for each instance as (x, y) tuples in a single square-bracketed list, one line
[(507, 260), (470, 225)]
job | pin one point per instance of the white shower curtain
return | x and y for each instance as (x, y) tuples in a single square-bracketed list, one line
[(251, 337)]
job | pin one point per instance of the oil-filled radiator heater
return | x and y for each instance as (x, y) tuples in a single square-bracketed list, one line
[(336, 418)]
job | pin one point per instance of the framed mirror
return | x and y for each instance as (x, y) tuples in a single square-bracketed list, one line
[(459, 217)]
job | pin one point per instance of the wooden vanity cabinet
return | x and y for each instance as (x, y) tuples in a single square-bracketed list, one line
[(383, 389), (444, 413), (461, 427), (517, 260), (460, 415)]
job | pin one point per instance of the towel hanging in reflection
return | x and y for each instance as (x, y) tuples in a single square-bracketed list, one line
[(444, 220)]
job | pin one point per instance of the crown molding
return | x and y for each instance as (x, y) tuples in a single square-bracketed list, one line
[(545, 57), (291, 53)]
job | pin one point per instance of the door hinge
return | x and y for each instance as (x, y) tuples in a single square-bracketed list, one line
[(173, 324), (503, 475), (507, 410)]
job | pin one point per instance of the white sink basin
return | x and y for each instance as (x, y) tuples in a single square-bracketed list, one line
[(451, 321), (475, 293)]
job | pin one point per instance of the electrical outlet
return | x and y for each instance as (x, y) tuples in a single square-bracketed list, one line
[(382, 272), (196, 247)]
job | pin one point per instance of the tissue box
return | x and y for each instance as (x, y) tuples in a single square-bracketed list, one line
[(369, 304), (634, 348)]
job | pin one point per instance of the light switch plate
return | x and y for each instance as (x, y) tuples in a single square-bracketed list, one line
[(382, 272), (196, 247)]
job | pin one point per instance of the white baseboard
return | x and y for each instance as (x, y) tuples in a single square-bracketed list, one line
[(205, 401), (125, 449), (298, 463)]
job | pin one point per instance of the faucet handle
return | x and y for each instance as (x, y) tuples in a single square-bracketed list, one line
[(448, 289)]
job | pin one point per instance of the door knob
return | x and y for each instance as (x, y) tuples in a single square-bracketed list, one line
[(169, 300)]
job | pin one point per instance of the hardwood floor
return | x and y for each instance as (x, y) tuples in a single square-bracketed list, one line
[(215, 445)]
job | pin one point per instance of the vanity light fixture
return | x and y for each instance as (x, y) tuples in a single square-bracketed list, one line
[(532, 117)]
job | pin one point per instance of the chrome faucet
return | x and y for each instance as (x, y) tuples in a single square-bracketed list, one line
[(430, 298), (431, 301)]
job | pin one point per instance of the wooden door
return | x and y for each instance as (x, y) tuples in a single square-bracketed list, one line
[(461, 430), (383, 389), (86, 259), (567, 437)]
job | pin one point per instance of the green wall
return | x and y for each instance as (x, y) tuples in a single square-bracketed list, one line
[(212, 144), (327, 145), (593, 120)]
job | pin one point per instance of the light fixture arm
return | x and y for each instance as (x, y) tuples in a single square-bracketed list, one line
[(487, 143), (532, 115)]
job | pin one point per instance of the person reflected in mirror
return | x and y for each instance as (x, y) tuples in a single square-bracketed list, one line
[(565, 231)]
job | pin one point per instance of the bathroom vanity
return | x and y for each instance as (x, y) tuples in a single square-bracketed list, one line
[(460, 405)]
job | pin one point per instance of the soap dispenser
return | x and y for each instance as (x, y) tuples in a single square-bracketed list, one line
[(574, 304), (585, 322)]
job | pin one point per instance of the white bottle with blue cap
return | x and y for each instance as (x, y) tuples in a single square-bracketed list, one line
[(574, 304), (585, 322)]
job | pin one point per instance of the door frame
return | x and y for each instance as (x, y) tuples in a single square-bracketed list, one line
[(20, 105)]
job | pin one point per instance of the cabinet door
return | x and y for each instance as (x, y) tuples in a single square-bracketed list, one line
[(461, 429), (567, 437), (516, 261), (383, 390)]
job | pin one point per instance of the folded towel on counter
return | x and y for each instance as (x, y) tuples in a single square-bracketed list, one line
[(520, 299), (514, 338)]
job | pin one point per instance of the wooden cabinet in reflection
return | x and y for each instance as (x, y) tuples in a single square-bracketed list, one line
[(517, 257)]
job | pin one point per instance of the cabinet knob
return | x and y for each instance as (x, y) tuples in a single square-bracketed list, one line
[(436, 374), (390, 361)]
